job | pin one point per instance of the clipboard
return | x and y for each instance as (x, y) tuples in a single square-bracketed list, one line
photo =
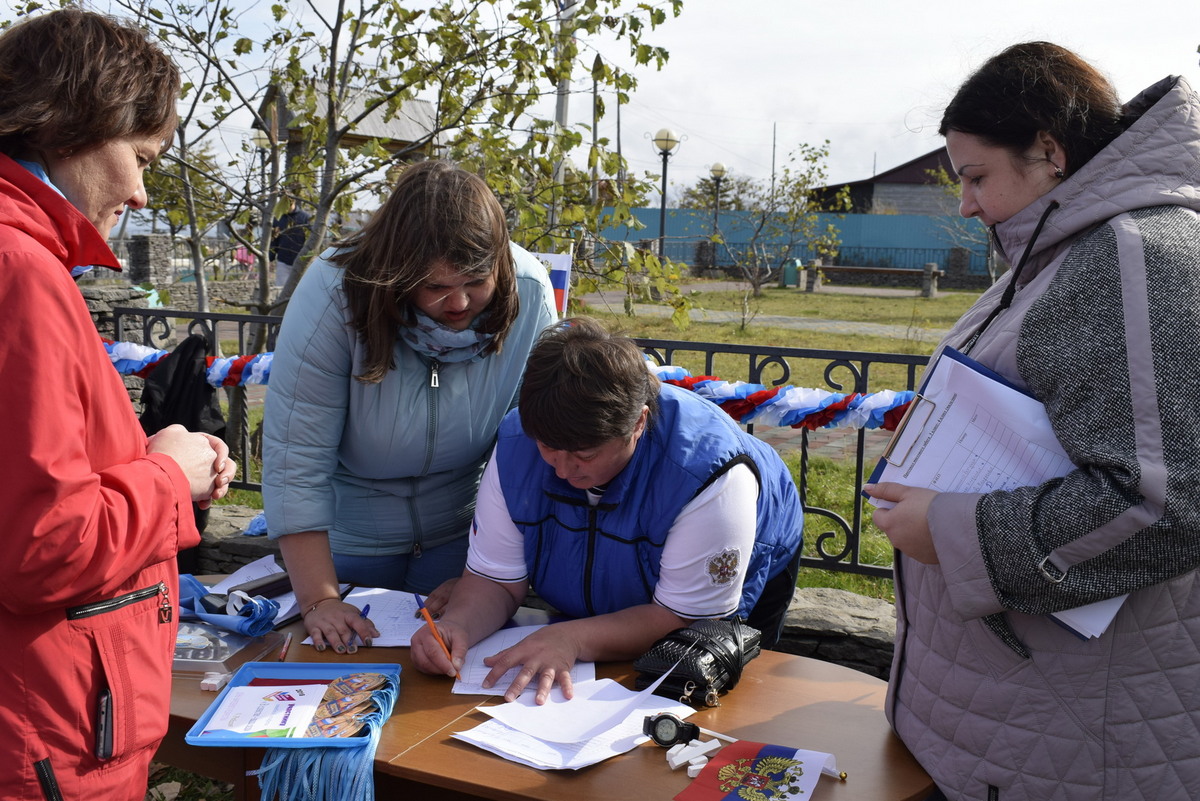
[(981, 433), (994, 397)]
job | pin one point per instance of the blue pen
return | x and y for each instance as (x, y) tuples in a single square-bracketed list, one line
[(363, 614)]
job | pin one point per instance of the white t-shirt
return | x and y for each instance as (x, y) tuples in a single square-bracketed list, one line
[(703, 560)]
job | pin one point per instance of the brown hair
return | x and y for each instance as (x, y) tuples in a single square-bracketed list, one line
[(584, 386), (437, 212), (71, 80), (1032, 87)]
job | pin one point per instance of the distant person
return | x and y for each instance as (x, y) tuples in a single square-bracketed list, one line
[(399, 354), (1096, 206), (289, 232), (631, 505), (94, 510)]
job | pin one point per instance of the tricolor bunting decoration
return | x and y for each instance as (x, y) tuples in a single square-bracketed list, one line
[(797, 407), (131, 358), (560, 277)]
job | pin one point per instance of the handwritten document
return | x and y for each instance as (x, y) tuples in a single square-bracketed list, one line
[(969, 430), (393, 612), (474, 671)]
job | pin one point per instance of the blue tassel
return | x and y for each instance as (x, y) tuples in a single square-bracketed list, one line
[(328, 773)]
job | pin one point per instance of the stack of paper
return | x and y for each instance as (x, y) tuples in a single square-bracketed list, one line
[(602, 720), (970, 430)]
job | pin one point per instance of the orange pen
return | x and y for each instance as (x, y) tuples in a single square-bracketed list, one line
[(436, 635)]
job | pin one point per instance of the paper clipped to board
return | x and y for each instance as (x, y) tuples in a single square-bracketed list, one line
[(971, 430)]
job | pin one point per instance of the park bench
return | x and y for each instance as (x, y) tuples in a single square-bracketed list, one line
[(926, 279)]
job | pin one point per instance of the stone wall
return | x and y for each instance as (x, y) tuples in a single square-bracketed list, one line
[(224, 547), (237, 294), (100, 299), (827, 624), (841, 627)]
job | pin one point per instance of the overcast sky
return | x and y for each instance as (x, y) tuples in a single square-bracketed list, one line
[(871, 76)]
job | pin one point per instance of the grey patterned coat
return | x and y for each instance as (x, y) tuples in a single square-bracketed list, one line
[(995, 699)]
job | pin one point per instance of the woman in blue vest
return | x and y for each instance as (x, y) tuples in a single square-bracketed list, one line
[(632, 506)]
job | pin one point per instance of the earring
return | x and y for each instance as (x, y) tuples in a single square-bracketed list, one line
[(1059, 174)]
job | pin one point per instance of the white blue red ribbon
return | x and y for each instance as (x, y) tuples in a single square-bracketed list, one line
[(131, 358), (795, 407)]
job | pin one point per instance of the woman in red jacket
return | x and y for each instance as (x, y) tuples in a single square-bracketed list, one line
[(94, 511)]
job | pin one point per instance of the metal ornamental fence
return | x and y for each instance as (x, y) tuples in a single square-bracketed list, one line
[(836, 548)]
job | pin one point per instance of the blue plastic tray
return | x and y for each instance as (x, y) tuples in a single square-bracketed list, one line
[(284, 670)]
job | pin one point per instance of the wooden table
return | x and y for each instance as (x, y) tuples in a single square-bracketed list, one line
[(782, 699)]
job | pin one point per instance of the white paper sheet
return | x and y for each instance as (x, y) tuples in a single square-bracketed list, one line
[(267, 711), (393, 612), (473, 671), (613, 737), (971, 433)]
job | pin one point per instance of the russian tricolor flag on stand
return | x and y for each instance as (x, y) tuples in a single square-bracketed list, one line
[(560, 277)]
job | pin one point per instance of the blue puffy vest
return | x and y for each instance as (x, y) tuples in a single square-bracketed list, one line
[(587, 560)]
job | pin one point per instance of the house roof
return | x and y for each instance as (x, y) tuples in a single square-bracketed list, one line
[(413, 122), (915, 171)]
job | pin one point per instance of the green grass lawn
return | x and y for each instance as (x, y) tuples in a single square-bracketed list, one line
[(939, 312)]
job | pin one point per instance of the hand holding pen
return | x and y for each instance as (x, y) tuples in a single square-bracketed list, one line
[(436, 634), (333, 623), (350, 646)]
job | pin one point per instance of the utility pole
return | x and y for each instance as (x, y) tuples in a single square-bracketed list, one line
[(566, 11)]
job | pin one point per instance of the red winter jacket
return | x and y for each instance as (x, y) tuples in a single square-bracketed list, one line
[(91, 525)]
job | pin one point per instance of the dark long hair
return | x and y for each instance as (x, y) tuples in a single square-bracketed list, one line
[(437, 212), (71, 80), (1032, 87)]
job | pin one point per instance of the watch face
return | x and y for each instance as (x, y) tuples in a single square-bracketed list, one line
[(666, 729)]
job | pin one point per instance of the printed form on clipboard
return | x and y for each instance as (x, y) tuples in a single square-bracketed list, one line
[(971, 430)]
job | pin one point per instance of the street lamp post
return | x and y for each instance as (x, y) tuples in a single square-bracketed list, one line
[(717, 171), (665, 141), (262, 144)]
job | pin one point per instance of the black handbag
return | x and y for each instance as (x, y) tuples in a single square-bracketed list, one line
[(711, 655)]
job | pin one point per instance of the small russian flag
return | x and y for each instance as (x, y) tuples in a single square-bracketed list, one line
[(745, 769), (560, 277)]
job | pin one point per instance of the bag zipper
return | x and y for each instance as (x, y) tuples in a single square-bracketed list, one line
[(112, 604)]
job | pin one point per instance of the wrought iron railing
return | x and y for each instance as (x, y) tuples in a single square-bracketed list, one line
[(838, 548), (163, 328)]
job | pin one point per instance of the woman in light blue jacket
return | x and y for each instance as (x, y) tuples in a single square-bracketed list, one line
[(400, 352)]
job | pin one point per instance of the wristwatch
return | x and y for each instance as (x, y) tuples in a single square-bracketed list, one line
[(667, 729)]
